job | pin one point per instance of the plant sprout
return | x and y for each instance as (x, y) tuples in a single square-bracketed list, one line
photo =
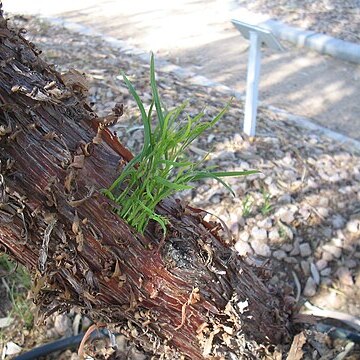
[(161, 168)]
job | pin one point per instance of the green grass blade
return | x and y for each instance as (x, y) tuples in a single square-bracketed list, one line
[(125, 172), (160, 219), (225, 184), (221, 113), (171, 185), (155, 93), (144, 117), (218, 175), (175, 164), (235, 173)]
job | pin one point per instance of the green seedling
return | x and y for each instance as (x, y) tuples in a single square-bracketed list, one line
[(282, 232), (247, 205), (162, 168), (266, 207)]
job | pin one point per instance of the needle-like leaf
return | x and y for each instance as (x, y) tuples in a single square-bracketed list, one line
[(162, 168)]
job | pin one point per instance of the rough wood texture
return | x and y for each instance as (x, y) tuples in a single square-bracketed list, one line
[(191, 297)]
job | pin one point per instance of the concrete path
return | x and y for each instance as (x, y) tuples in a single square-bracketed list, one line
[(198, 35)]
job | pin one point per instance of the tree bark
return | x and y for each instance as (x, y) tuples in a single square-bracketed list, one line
[(191, 297)]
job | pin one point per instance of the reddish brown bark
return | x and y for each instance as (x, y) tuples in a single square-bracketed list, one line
[(185, 298)]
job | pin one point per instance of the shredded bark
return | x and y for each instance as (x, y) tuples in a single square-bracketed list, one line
[(54, 220)]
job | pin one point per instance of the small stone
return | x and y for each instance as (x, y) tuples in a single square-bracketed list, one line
[(310, 287), (289, 175), (259, 234), (274, 235), (345, 276), (287, 247), (326, 272), (350, 263), (234, 229), (296, 249), (288, 160), (322, 211), (286, 216), (342, 205), (290, 260), (93, 90), (337, 221), (353, 226), (62, 324), (234, 224), (274, 190), (305, 250), (244, 236), (215, 199), (326, 281), (286, 232), (260, 248), (315, 273), (357, 280), (210, 138), (337, 242), (279, 254), (327, 232), (284, 199), (332, 249), (311, 183), (268, 180), (340, 234), (11, 348), (226, 155), (51, 333), (305, 267), (243, 248), (5, 322), (327, 256), (265, 224), (323, 201), (305, 213), (321, 264), (241, 221)]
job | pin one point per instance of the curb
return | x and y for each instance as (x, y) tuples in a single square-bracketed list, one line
[(321, 43), (193, 78), (324, 44)]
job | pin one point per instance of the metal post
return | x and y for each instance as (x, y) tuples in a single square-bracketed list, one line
[(252, 84)]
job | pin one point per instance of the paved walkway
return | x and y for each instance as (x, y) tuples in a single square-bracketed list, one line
[(198, 35)]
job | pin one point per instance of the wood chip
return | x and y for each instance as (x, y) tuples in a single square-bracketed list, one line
[(296, 352)]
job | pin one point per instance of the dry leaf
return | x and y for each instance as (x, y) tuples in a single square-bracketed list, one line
[(75, 80)]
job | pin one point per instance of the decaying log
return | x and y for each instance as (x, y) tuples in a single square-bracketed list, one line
[(192, 297)]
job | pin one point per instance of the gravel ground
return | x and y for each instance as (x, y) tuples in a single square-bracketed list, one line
[(301, 214), (338, 18)]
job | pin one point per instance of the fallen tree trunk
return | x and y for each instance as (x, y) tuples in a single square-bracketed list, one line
[(192, 296)]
